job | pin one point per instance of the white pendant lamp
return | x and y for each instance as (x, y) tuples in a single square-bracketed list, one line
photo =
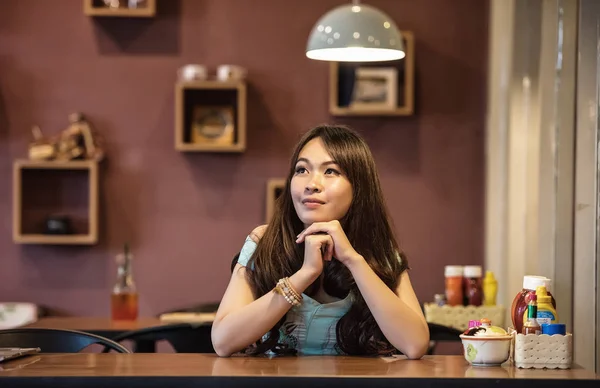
[(355, 33)]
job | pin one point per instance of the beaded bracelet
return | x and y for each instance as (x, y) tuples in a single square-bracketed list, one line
[(284, 288), (291, 288)]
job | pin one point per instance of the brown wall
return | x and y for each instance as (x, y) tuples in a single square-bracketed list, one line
[(187, 215)]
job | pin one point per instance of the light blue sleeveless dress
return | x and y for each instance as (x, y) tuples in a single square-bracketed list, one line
[(310, 327)]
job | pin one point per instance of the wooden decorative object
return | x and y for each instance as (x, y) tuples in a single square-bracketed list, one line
[(77, 141), (210, 116), (32, 205), (458, 317), (213, 125), (97, 8), (399, 82), (274, 190)]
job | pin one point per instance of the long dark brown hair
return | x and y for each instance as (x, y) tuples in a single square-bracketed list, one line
[(367, 227)]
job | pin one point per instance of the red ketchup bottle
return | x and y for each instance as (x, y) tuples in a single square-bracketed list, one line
[(519, 304)]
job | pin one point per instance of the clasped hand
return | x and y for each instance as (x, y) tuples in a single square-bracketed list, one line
[(331, 239)]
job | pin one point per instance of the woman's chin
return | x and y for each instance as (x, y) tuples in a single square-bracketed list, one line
[(309, 220)]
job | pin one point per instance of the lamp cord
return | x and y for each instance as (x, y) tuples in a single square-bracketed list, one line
[(355, 2)]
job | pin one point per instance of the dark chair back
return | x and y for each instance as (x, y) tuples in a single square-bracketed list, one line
[(440, 333), (183, 337), (198, 308), (55, 340)]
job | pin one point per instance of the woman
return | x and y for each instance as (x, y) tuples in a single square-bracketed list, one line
[(325, 276)]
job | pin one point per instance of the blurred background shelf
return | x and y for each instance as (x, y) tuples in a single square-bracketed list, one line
[(214, 103), (45, 188), (147, 9), (343, 78)]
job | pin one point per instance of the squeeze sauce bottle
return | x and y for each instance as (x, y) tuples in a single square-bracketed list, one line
[(546, 313)]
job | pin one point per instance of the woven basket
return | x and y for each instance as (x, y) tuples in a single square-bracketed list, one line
[(543, 351), (458, 317)]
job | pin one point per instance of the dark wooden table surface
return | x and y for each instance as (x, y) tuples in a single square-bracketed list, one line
[(194, 370)]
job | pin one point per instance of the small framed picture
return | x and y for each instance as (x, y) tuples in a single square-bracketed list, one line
[(275, 188), (212, 125), (375, 87), (384, 88)]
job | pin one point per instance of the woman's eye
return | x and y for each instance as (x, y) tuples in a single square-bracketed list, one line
[(332, 171), (300, 170)]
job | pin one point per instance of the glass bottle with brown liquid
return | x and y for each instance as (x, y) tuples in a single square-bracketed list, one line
[(124, 297), (531, 325)]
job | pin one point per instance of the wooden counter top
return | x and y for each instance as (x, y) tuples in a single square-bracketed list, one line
[(186, 370), (108, 327), (95, 324)]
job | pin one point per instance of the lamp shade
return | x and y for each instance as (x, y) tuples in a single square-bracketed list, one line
[(355, 33)]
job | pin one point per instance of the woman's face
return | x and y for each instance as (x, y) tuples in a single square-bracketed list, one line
[(321, 192)]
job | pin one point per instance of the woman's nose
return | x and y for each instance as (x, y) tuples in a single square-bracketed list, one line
[(314, 185)]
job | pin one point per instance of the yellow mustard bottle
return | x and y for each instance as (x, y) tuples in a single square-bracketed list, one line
[(490, 289), (546, 313)]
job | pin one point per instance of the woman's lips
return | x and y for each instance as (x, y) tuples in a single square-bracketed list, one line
[(312, 205)]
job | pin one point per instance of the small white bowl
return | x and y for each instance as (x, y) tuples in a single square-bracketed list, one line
[(192, 72), (486, 350)]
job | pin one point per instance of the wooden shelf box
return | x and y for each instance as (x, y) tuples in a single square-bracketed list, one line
[(97, 8), (45, 188), (275, 188), (346, 98), (210, 116)]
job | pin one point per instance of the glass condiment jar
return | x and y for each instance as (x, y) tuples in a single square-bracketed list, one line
[(531, 325), (473, 291), (454, 284), (519, 304), (124, 296), (439, 299)]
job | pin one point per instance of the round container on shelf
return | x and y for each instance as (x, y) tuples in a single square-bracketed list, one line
[(472, 271), (554, 328), (453, 270)]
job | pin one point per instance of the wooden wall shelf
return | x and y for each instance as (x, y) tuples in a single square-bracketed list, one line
[(339, 71), (97, 8), (210, 116), (44, 188)]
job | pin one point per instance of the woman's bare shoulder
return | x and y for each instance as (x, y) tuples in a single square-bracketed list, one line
[(258, 232)]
